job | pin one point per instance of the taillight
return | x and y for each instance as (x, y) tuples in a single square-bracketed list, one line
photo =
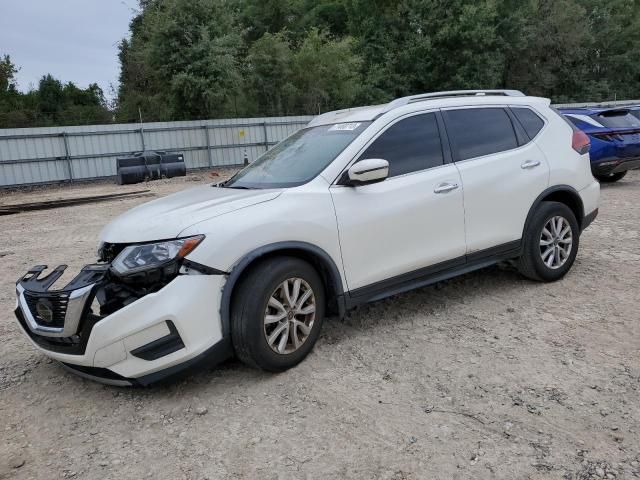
[(608, 137), (580, 142)]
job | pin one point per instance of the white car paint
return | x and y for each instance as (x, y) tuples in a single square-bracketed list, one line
[(371, 232), (167, 217), (498, 188), (190, 302), (401, 224)]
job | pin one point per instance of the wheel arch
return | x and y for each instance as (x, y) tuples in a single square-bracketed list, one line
[(313, 254), (565, 194)]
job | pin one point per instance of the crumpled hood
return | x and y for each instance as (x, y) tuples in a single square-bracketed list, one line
[(168, 216)]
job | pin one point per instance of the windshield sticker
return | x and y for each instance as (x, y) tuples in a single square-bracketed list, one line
[(344, 127)]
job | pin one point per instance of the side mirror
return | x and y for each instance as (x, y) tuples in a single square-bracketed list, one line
[(366, 171)]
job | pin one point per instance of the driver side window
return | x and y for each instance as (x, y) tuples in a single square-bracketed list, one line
[(410, 145)]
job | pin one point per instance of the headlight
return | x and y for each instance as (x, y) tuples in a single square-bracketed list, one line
[(136, 258)]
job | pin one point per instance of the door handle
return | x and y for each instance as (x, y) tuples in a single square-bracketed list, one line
[(530, 164), (445, 187)]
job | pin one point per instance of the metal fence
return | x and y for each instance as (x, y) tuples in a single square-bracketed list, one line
[(67, 154), (612, 103)]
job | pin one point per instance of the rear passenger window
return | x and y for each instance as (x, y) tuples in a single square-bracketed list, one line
[(475, 132), (531, 122), (410, 145)]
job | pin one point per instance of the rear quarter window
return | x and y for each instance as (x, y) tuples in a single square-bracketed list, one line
[(475, 132), (530, 121)]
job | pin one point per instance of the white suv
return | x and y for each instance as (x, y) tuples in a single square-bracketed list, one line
[(359, 205)]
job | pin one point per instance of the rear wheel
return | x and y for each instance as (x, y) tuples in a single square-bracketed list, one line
[(277, 313), (611, 177), (550, 243)]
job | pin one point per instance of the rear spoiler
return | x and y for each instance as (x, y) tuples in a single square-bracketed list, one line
[(615, 111)]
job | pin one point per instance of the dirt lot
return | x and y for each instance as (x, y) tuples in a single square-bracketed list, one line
[(485, 376)]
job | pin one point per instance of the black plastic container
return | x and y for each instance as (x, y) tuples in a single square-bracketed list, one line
[(149, 165)]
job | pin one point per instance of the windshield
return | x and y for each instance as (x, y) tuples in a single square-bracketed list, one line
[(299, 158)]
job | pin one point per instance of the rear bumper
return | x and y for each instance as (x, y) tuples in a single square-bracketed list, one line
[(154, 337), (618, 165)]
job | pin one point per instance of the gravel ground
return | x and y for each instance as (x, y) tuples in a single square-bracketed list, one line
[(484, 376)]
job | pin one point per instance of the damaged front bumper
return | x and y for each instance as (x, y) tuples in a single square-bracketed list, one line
[(143, 338)]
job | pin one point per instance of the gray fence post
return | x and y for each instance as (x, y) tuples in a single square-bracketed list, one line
[(67, 156), (266, 140), (142, 138), (209, 154)]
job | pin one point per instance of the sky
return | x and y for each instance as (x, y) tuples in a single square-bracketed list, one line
[(74, 40)]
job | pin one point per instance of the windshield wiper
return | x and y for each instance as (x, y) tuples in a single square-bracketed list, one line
[(225, 184)]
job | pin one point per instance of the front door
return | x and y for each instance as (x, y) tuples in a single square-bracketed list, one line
[(413, 219)]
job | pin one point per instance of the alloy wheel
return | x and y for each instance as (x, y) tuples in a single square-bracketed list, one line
[(289, 316), (556, 241)]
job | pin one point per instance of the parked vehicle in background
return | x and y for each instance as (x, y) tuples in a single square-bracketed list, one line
[(615, 139), (361, 204)]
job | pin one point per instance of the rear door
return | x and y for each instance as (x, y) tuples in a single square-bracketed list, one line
[(502, 171), (411, 220)]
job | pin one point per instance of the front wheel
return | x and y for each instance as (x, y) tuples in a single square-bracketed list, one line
[(277, 313), (550, 243), (611, 177)]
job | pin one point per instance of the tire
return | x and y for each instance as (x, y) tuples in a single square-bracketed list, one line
[(610, 178), (555, 264), (252, 302)]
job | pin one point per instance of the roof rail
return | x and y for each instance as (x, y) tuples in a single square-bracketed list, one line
[(453, 93)]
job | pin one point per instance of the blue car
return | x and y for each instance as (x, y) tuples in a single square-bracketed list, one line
[(615, 139)]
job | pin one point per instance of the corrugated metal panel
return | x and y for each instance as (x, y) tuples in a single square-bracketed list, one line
[(54, 154), (39, 155), (614, 103)]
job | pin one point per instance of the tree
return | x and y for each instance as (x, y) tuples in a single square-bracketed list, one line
[(269, 76), (183, 60), (52, 103), (547, 54), (612, 68), (326, 73), (7, 75), (195, 59)]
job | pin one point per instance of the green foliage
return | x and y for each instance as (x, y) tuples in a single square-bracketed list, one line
[(325, 73), (181, 62), (53, 103), (269, 76), (206, 58), (194, 59), (321, 74), (7, 76)]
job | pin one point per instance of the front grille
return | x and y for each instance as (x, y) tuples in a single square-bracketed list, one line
[(48, 310), (73, 345)]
